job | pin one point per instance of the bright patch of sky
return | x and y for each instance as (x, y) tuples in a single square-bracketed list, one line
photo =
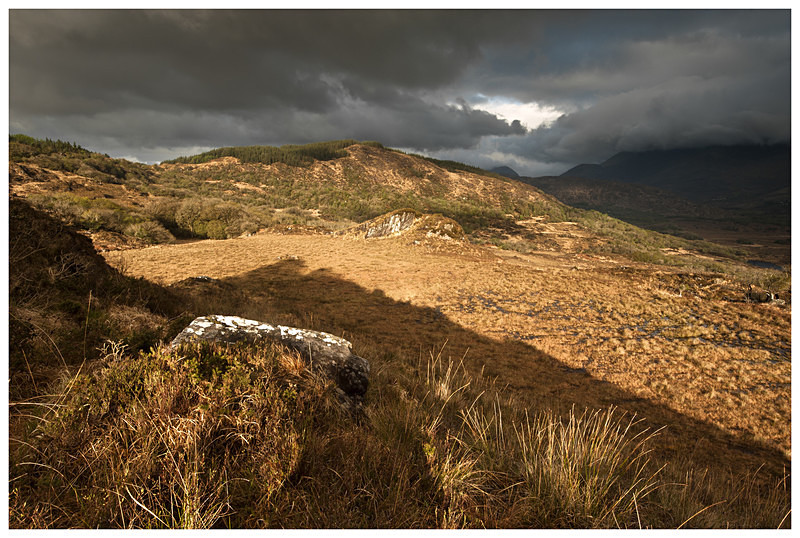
[(531, 115)]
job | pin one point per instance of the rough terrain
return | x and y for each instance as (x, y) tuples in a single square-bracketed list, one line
[(682, 350)]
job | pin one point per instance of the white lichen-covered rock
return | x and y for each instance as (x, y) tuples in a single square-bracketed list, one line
[(407, 222), (326, 353), (392, 225)]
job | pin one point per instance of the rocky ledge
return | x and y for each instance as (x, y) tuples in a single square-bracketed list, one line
[(410, 223), (327, 354)]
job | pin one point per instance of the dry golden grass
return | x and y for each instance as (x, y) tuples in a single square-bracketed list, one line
[(214, 436), (683, 350), (566, 364)]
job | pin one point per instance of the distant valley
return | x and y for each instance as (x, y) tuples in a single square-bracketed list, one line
[(730, 195), (729, 177)]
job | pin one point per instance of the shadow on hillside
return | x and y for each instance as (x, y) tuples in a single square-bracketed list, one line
[(333, 304)]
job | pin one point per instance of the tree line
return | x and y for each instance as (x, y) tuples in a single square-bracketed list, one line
[(290, 154)]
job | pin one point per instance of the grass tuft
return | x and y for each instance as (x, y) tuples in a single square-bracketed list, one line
[(210, 436)]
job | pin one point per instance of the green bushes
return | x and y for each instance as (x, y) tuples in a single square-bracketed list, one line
[(164, 219), (214, 218), (87, 213), (70, 157), (150, 231), (161, 220), (96, 214)]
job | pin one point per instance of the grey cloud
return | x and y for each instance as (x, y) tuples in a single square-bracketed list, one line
[(720, 78), (612, 52), (279, 76), (428, 127), (165, 81), (685, 112), (413, 124), (235, 59)]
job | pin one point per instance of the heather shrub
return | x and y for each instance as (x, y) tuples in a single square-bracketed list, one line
[(150, 231)]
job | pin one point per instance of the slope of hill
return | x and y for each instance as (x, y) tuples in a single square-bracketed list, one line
[(64, 300), (368, 181), (622, 200), (744, 177), (225, 197), (738, 197), (767, 238)]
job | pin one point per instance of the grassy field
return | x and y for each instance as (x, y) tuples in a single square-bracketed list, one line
[(687, 341), (509, 390)]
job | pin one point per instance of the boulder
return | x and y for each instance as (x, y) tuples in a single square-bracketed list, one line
[(758, 295), (327, 354), (204, 278)]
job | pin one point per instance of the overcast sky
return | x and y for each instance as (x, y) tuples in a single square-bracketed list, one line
[(537, 91)]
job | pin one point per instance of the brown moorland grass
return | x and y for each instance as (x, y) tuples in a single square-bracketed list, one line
[(590, 355), (245, 437), (213, 437), (217, 439), (681, 350)]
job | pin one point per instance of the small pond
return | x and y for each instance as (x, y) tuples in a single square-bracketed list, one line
[(764, 265)]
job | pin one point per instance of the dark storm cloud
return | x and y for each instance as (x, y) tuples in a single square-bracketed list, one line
[(636, 81), (153, 83), (596, 53), (229, 60), (684, 112), (282, 68)]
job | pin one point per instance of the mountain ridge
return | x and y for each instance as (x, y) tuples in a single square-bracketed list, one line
[(223, 197), (725, 176)]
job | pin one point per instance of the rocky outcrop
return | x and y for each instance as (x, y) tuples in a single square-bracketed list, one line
[(407, 222), (327, 354), (387, 225), (758, 295)]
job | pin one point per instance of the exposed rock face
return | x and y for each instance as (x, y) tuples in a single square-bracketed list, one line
[(391, 224), (408, 222), (326, 353)]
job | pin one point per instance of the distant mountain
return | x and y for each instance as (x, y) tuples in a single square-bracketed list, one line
[(506, 171), (741, 177), (627, 201)]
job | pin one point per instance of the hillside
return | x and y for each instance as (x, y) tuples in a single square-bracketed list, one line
[(65, 301), (665, 212), (223, 197), (365, 182), (738, 197), (622, 200), (533, 365)]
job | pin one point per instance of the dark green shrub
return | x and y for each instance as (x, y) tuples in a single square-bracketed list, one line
[(150, 231)]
